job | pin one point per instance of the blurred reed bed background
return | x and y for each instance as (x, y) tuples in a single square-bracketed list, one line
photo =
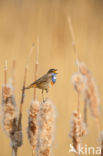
[(21, 22)]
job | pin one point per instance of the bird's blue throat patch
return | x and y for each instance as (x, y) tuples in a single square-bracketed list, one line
[(53, 77)]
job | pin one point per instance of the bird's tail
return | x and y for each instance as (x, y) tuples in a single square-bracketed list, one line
[(30, 86)]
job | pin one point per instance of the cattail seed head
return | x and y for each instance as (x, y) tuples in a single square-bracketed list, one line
[(78, 129), (82, 67), (9, 108), (79, 82), (91, 95), (32, 123), (10, 116), (46, 128)]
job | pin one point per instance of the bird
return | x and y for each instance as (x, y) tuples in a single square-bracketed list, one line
[(45, 82)]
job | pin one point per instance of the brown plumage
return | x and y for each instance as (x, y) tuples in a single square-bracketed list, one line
[(44, 82)]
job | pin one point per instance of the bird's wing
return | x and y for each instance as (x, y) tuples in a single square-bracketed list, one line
[(42, 79)]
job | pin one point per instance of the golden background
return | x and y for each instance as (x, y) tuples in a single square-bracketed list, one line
[(21, 21)]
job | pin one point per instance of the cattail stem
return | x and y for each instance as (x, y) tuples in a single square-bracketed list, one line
[(78, 104), (98, 125), (23, 89), (33, 151), (5, 73), (14, 151), (13, 71), (73, 37), (22, 98), (36, 66), (85, 112)]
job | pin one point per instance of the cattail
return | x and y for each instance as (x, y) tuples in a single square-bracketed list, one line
[(91, 96), (79, 85), (10, 117), (78, 129), (46, 128), (9, 108), (79, 82), (32, 130)]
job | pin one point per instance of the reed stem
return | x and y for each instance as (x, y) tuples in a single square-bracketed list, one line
[(13, 72), (33, 151), (36, 66), (22, 98), (73, 38), (98, 125), (5, 73), (78, 104)]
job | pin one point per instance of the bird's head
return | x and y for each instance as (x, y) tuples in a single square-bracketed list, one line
[(52, 71)]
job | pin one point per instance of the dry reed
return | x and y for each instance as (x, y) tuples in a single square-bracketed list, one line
[(46, 122)]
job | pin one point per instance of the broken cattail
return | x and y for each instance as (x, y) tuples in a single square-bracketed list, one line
[(91, 92), (78, 129), (32, 130), (46, 123)]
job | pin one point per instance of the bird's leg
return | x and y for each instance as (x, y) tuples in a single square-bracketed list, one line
[(47, 92), (43, 95)]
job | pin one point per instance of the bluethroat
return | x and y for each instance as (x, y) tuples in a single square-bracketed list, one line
[(44, 82)]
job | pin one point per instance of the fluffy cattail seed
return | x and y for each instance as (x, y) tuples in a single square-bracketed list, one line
[(79, 82), (46, 128), (10, 116), (78, 129), (32, 130), (91, 92), (9, 108)]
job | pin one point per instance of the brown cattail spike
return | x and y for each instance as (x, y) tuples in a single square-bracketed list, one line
[(91, 95), (9, 108), (78, 129), (32, 123), (46, 122), (10, 118)]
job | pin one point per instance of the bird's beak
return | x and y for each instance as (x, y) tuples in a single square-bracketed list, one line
[(55, 71)]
